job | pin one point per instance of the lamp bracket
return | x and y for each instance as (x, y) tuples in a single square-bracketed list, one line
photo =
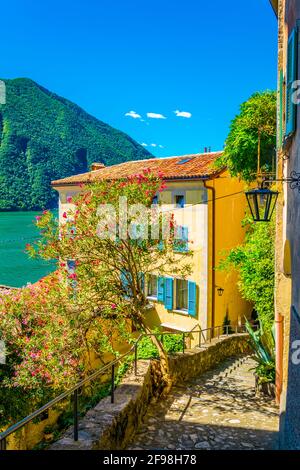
[(293, 180)]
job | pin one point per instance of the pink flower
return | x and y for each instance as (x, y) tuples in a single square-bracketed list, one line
[(38, 217), (69, 199), (113, 306), (65, 215)]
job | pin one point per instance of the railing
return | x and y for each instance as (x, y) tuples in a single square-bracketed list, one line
[(134, 349)]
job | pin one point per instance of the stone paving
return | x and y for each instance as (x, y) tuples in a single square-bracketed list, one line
[(218, 410)]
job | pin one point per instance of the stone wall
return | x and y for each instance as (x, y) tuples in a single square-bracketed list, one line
[(195, 362), (112, 426)]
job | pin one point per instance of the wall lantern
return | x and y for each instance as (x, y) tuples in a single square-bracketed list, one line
[(220, 291), (262, 200), (262, 203)]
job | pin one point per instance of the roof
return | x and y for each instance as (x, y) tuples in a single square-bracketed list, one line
[(198, 165)]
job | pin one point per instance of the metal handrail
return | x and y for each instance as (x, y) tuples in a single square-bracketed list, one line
[(111, 365)]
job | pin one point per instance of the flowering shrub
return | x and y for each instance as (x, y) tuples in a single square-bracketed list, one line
[(46, 337), (53, 328)]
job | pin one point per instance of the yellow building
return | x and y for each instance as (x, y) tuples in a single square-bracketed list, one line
[(209, 205)]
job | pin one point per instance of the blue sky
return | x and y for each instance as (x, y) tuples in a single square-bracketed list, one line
[(147, 56)]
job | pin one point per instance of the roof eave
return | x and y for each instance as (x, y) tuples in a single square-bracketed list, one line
[(169, 178), (274, 4)]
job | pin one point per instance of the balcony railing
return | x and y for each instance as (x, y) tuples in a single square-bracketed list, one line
[(205, 336)]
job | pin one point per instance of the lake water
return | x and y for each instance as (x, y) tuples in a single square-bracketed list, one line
[(16, 269)]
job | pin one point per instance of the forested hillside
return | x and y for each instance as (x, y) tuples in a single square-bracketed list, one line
[(45, 137)]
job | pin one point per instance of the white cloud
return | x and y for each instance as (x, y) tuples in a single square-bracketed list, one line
[(184, 114), (133, 114), (156, 116), (152, 145)]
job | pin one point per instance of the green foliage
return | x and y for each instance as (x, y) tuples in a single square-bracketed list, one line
[(55, 328), (45, 137), (257, 115), (88, 399), (263, 346), (254, 261)]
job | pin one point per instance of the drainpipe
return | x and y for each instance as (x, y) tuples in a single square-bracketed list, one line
[(279, 354), (213, 249)]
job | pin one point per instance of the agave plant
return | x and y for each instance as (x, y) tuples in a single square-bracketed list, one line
[(263, 346)]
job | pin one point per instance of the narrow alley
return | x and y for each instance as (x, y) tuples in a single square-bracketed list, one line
[(218, 410)]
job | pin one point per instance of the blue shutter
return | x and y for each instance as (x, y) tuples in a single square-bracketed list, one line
[(185, 238), (125, 283), (281, 100), (192, 298), (161, 245), (155, 200), (169, 293), (142, 280), (160, 288), (291, 75)]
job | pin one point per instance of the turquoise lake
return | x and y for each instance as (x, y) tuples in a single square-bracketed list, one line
[(16, 269)]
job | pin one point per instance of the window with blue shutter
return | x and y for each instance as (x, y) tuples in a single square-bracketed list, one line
[(161, 245), (152, 285), (160, 289), (155, 200), (291, 76), (179, 201), (181, 243), (192, 298), (169, 281)]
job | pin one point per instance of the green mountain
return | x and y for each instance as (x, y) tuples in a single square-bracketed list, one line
[(45, 137)]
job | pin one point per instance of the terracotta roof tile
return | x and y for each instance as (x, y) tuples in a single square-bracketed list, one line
[(185, 166)]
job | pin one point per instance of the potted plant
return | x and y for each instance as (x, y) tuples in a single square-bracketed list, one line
[(262, 344)]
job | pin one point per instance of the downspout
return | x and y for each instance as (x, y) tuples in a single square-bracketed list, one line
[(213, 249), (279, 354)]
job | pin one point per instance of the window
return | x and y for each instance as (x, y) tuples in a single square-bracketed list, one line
[(152, 286), (179, 201), (185, 299), (181, 294), (184, 160), (181, 243)]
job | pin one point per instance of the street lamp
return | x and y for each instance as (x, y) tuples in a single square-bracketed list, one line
[(262, 203), (220, 291), (262, 200)]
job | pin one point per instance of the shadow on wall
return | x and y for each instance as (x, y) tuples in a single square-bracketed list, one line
[(290, 418)]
